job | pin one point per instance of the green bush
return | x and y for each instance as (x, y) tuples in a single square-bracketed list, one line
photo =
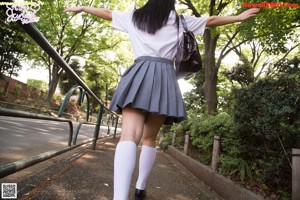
[(231, 165), (263, 126), (166, 141), (204, 129), (181, 128), (231, 161), (267, 118), (38, 84), (57, 97), (17, 90)]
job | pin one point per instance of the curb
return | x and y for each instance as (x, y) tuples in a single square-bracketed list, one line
[(226, 188)]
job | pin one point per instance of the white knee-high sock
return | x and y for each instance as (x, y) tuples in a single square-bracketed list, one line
[(147, 158), (124, 163)]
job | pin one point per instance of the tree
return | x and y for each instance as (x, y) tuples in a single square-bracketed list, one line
[(242, 72), (11, 46), (38, 84), (257, 60), (274, 27), (66, 82), (102, 79), (267, 120), (71, 35)]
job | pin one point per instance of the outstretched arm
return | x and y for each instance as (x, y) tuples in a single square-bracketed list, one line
[(99, 12), (222, 20)]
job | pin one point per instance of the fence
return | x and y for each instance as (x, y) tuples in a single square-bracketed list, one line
[(18, 89), (216, 153)]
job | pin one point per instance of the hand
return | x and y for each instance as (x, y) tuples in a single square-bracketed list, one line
[(76, 10), (248, 13)]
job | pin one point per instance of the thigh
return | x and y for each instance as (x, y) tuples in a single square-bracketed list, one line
[(132, 124), (151, 127)]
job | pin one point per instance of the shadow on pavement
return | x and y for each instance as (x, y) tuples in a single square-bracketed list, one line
[(87, 174)]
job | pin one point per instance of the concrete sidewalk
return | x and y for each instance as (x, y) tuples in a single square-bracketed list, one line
[(86, 174)]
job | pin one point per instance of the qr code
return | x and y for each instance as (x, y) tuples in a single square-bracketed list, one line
[(9, 191)]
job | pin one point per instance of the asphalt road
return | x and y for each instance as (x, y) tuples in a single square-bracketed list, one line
[(21, 138)]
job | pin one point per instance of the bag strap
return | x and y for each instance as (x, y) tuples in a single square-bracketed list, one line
[(184, 23), (178, 30)]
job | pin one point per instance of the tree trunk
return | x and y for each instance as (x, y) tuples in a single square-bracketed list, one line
[(106, 94), (211, 73), (53, 83), (52, 88), (6, 90), (7, 85)]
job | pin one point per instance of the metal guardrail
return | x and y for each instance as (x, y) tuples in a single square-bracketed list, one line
[(85, 91), (13, 167), (22, 114), (79, 101)]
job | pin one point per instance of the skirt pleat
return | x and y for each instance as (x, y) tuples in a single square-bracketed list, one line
[(150, 84)]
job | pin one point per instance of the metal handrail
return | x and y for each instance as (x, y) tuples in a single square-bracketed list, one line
[(22, 114), (80, 100), (13, 167), (35, 34)]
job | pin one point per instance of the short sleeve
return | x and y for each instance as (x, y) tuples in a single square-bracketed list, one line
[(121, 20), (195, 24)]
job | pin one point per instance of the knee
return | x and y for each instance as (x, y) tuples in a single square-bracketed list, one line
[(131, 136), (149, 140)]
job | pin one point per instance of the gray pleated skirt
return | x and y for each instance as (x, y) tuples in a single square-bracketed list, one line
[(150, 84)]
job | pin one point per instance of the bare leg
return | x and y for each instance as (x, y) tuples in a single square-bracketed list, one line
[(148, 153), (151, 128), (132, 129), (133, 121)]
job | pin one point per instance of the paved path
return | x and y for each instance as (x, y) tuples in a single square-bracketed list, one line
[(83, 173), (21, 138), (86, 174)]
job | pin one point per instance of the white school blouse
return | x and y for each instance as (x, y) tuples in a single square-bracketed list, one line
[(161, 44)]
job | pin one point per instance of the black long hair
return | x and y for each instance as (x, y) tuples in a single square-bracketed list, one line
[(153, 15)]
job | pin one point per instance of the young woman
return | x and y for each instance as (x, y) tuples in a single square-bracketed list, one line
[(148, 94)]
